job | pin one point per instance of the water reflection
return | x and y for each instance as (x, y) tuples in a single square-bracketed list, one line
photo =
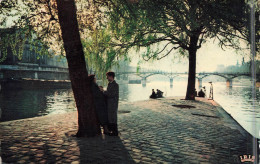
[(60, 101), (239, 102), (27, 103)]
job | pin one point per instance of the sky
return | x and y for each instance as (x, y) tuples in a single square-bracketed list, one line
[(209, 56)]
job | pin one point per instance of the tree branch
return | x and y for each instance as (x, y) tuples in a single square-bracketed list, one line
[(168, 52)]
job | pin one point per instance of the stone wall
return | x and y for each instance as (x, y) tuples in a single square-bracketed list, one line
[(33, 72)]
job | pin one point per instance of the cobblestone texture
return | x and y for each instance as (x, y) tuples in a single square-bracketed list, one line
[(151, 131)]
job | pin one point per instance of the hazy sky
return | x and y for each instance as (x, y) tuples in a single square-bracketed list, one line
[(209, 56)]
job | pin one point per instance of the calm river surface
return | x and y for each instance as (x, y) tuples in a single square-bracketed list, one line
[(237, 100)]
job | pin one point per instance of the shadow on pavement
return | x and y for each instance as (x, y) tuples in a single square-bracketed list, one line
[(103, 149)]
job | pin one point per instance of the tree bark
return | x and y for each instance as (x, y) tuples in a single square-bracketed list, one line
[(190, 93), (87, 119)]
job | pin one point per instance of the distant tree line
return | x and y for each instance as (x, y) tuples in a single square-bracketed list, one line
[(244, 67)]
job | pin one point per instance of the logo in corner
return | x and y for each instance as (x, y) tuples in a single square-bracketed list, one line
[(247, 158)]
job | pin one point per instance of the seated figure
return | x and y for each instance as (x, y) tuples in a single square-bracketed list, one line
[(159, 93), (153, 96), (201, 93)]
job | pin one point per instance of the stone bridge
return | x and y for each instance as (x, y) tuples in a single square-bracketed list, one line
[(144, 75), (33, 71)]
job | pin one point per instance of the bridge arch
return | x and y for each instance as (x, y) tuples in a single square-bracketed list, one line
[(227, 76), (159, 74), (245, 75), (129, 74), (207, 75)]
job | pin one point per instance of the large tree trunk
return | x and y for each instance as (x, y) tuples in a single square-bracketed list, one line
[(87, 120), (190, 93)]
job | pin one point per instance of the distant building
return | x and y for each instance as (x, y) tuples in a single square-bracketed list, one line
[(243, 68), (237, 64), (30, 57), (31, 65)]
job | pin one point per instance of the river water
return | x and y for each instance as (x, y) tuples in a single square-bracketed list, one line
[(237, 100)]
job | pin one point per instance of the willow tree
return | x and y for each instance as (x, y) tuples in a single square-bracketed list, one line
[(100, 55), (163, 26)]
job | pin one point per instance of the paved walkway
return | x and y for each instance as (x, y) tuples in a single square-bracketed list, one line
[(151, 131)]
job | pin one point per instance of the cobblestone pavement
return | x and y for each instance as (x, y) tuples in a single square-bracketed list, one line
[(151, 131)]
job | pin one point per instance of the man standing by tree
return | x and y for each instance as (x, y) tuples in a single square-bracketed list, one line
[(112, 94)]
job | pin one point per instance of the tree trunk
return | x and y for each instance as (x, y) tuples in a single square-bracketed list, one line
[(87, 119), (190, 93)]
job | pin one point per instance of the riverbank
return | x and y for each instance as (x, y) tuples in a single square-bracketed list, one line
[(27, 83), (153, 131)]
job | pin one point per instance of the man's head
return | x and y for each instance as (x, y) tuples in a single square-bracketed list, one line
[(110, 76)]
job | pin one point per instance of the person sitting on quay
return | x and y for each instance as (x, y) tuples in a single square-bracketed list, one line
[(159, 94), (201, 93), (153, 96)]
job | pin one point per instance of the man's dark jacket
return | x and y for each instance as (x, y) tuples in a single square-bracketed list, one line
[(112, 95)]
